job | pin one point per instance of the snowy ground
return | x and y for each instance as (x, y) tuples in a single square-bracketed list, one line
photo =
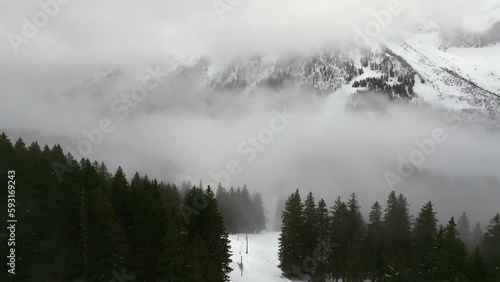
[(261, 262), (477, 65)]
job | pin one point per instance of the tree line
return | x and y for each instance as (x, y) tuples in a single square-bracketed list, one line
[(242, 213), (91, 225), (331, 244)]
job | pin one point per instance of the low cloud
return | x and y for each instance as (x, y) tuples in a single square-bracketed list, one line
[(64, 81)]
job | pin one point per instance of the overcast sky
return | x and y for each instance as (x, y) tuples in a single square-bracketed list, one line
[(187, 133), (94, 31)]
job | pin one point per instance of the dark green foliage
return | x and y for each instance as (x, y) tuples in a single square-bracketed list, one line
[(452, 256), (196, 249), (491, 247), (80, 223), (397, 238), (176, 255), (374, 244), (464, 230), (355, 232), (477, 267), (106, 241), (388, 248), (309, 234), (323, 247), (424, 243), (339, 239), (477, 235), (290, 242), (242, 213), (258, 221)]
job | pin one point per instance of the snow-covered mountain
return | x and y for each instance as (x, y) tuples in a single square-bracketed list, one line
[(412, 68), (429, 65)]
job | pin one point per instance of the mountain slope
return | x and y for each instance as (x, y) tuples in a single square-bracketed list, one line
[(458, 78)]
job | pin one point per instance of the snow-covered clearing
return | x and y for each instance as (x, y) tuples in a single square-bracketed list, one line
[(261, 262)]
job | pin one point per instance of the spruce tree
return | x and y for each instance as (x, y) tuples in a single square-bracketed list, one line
[(49, 251), (245, 211), (477, 267), (121, 199), (323, 246), (374, 244), (84, 213), (309, 234), (259, 222), (424, 243), (176, 257), (232, 216), (217, 240), (355, 232), (107, 241), (491, 247), (206, 228), (464, 230), (339, 239), (452, 256), (290, 241), (397, 240), (477, 235)]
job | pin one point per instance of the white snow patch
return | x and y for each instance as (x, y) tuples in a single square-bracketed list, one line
[(261, 262)]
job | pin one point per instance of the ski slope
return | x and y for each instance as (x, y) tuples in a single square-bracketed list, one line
[(261, 262), (452, 76)]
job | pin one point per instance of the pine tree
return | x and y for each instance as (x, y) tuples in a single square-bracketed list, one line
[(491, 247), (309, 234), (107, 242), (323, 248), (224, 204), (176, 257), (121, 199), (207, 226), (171, 197), (397, 238), (355, 232), (245, 206), (232, 215), (217, 240), (424, 238), (339, 239), (374, 244), (452, 256), (290, 241), (464, 230), (259, 222), (440, 262), (477, 235), (84, 211), (49, 250), (152, 223), (477, 267)]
